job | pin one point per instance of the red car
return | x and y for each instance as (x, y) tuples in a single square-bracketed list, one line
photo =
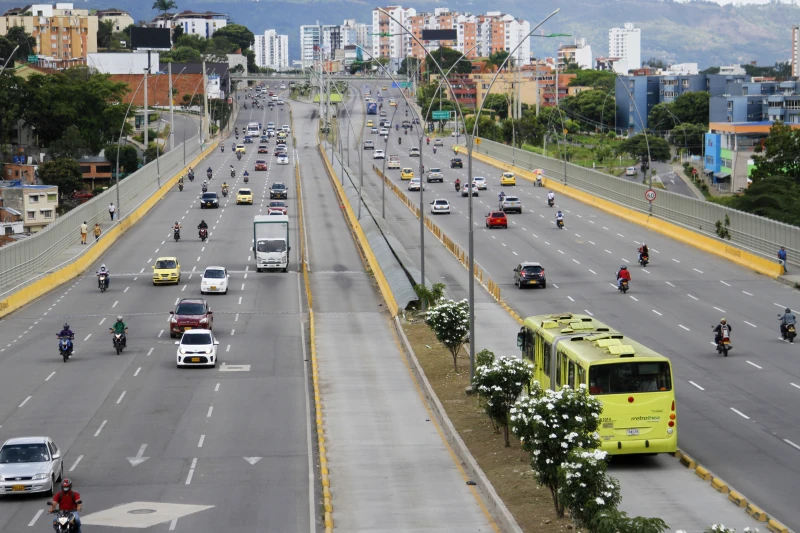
[(190, 313), (496, 218), (263, 149), (277, 205), (261, 164)]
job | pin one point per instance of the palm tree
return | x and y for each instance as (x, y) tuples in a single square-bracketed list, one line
[(104, 33), (163, 6)]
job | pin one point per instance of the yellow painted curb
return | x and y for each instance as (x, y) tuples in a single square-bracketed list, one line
[(679, 233), (703, 473), (776, 527), (355, 227), (720, 485), (328, 520), (687, 461), (27, 294), (737, 498), (756, 512)]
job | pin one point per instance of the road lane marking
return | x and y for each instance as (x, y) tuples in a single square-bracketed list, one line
[(696, 385), (740, 413), (149, 352), (755, 365), (779, 305), (590, 242), (625, 260), (101, 322), (792, 444), (76, 463), (645, 270), (137, 372), (210, 410), (50, 376), (191, 471), (554, 285), (96, 433), (588, 312), (692, 297), (237, 318), (570, 298), (576, 260), (684, 327), (160, 333), (216, 387), (747, 293), (656, 312), (675, 260), (562, 253), (202, 439), (515, 253), (242, 289), (795, 385), (725, 283), (184, 287), (35, 517), (696, 270), (233, 331), (121, 396), (720, 310), (592, 271), (668, 283), (24, 402), (607, 251), (240, 300), (87, 337), (228, 348), (633, 297)]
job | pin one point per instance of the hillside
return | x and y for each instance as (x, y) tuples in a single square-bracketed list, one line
[(702, 32)]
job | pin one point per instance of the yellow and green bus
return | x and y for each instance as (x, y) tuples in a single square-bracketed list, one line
[(633, 382)]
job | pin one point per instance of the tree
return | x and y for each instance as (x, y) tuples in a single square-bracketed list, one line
[(530, 129), (688, 136), (637, 146), (692, 107), (487, 128), (655, 63), (775, 197), (128, 157), (496, 58), (409, 65), (551, 424), (591, 108), (65, 173), (584, 487), (599, 79), (447, 57), (220, 46), (184, 54), (192, 41), (779, 155), (105, 33), (619, 522), (163, 6), (498, 103), (26, 42), (11, 88), (450, 323), (237, 34), (251, 61), (177, 33), (500, 384), (70, 145), (152, 151)]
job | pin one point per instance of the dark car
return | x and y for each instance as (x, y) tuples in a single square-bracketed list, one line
[(456, 162), (530, 273), (496, 219), (278, 191), (209, 199), (248, 139), (190, 313), (264, 139)]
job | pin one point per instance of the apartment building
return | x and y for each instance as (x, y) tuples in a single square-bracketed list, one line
[(122, 19), (393, 42), (192, 23), (272, 50), (62, 32), (795, 59), (578, 53), (310, 44), (36, 203), (626, 44)]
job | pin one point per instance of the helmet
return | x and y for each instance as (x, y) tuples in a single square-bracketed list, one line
[(623, 267), (66, 326), (119, 318), (788, 310), (644, 244), (66, 484), (723, 321)]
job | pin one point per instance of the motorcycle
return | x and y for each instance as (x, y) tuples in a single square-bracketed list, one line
[(551, 202), (623, 287), (65, 522), (222, 148), (560, 223), (458, 187), (176, 233), (180, 186), (397, 127), (203, 234), (224, 191), (247, 179), (119, 344), (724, 343), (788, 332), (643, 260), (239, 156), (434, 149), (208, 175), (65, 347), (399, 140), (205, 188), (191, 176), (102, 282)]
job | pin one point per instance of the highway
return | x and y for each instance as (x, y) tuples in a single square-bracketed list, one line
[(736, 416), (145, 443)]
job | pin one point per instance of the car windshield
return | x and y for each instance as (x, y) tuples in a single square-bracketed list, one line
[(196, 339), (478, 179), (435, 170), (277, 204), (512, 199), (271, 246), (167, 263), (441, 202), (214, 273), (508, 175), (209, 195), (283, 156), (194, 308), (626, 378), (245, 191), (279, 186), (24, 453), (531, 269)]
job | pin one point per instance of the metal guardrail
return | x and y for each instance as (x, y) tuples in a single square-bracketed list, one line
[(27, 260), (756, 234)]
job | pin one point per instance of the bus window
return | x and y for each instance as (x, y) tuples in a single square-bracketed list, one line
[(546, 351), (581, 377), (626, 378), (571, 375), (529, 348)]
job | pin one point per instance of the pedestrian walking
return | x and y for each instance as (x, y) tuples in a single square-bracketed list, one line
[(84, 231), (97, 230), (782, 257), (112, 210)]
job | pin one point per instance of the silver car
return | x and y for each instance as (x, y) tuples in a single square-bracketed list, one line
[(30, 464), (511, 204)]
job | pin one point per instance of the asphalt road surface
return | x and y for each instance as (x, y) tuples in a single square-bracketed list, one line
[(736, 415), (224, 449)]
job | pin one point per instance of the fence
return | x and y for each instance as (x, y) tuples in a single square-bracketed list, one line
[(27, 260), (756, 234)]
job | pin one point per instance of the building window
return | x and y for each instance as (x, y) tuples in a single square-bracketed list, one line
[(47, 213), (730, 106), (33, 198), (52, 197), (685, 84), (730, 118), (725, 162), (31, 215), (709, 160)]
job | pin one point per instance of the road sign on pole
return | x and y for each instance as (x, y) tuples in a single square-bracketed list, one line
[(441, 115), (650, 195)]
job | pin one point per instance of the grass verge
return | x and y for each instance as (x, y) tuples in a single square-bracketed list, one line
[(508, 469)]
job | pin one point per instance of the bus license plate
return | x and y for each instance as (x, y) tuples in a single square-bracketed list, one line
[(632, 432), (197, 360)]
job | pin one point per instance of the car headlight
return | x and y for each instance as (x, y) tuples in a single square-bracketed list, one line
[(174, 319), (182, 350), (203, 320), (39, 476), (208, 350)]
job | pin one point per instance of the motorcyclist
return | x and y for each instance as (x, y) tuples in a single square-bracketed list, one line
[(104, 270), (501, 195), (67, 500), (428, 140), (246, 176), (434, 149), (458, 184), (788, 319), (120, 327), (233, 171), (538, 180), (208, 172), (722, 326), (180, 180), (205, 186), (397, 127), (643, 251), (224, 185), (239, 156), (202, 225), (559, 218), (551, 197), (68, 334), (455, 150), (221, 147), (399, 140), (625, 274)]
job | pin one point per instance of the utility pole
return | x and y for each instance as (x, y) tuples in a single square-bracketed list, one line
[(146, 117), (171, 111), (205, 104)]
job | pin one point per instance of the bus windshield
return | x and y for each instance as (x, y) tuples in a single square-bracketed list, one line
[(627, 378)]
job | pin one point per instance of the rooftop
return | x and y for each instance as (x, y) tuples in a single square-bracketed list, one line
[(746, 127)]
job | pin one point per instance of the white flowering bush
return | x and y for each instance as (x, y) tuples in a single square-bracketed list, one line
[(550, 425), (613, 521), (499, 384), (584, 488), (450, 323), (721, 528)]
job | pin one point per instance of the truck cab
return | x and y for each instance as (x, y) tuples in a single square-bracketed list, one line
[(271, 242)]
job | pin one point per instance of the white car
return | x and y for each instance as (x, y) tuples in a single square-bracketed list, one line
[(414, 152), (480, 181), (283, 159), (369, 144), (378, 154), (197, 347), (286, 128), (435, 174), (440, 206), (30, 464), (373, 130), (414, 184), (384, 131), (630, 171), (215, 279), (283, 86), (274, 98)]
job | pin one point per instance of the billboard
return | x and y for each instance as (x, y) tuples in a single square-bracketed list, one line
[(150, 38), (439, 35)]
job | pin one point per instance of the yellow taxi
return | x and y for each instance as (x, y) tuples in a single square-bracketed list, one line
[(241, 148), (281, 136), (244, 196), (370, 124), (508, 178), (166, 270), (393, 102), (384, 87), (406, 174)]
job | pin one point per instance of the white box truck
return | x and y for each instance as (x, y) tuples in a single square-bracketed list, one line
[(271, 242), (394, 161)]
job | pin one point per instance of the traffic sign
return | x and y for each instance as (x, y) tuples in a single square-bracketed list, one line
[(478, 140), (650, 195), (694, 171), (441, 115)]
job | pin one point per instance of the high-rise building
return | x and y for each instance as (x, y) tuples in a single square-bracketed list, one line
[(64, 35), (272, 50), (310, 44), (392, 42), (578, 53), (626, 44), (795, 51)]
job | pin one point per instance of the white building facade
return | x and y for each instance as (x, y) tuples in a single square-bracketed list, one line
[(397, 44), (272, 50), (579, 53), (202, 24), (310, 44), (626, 44)]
